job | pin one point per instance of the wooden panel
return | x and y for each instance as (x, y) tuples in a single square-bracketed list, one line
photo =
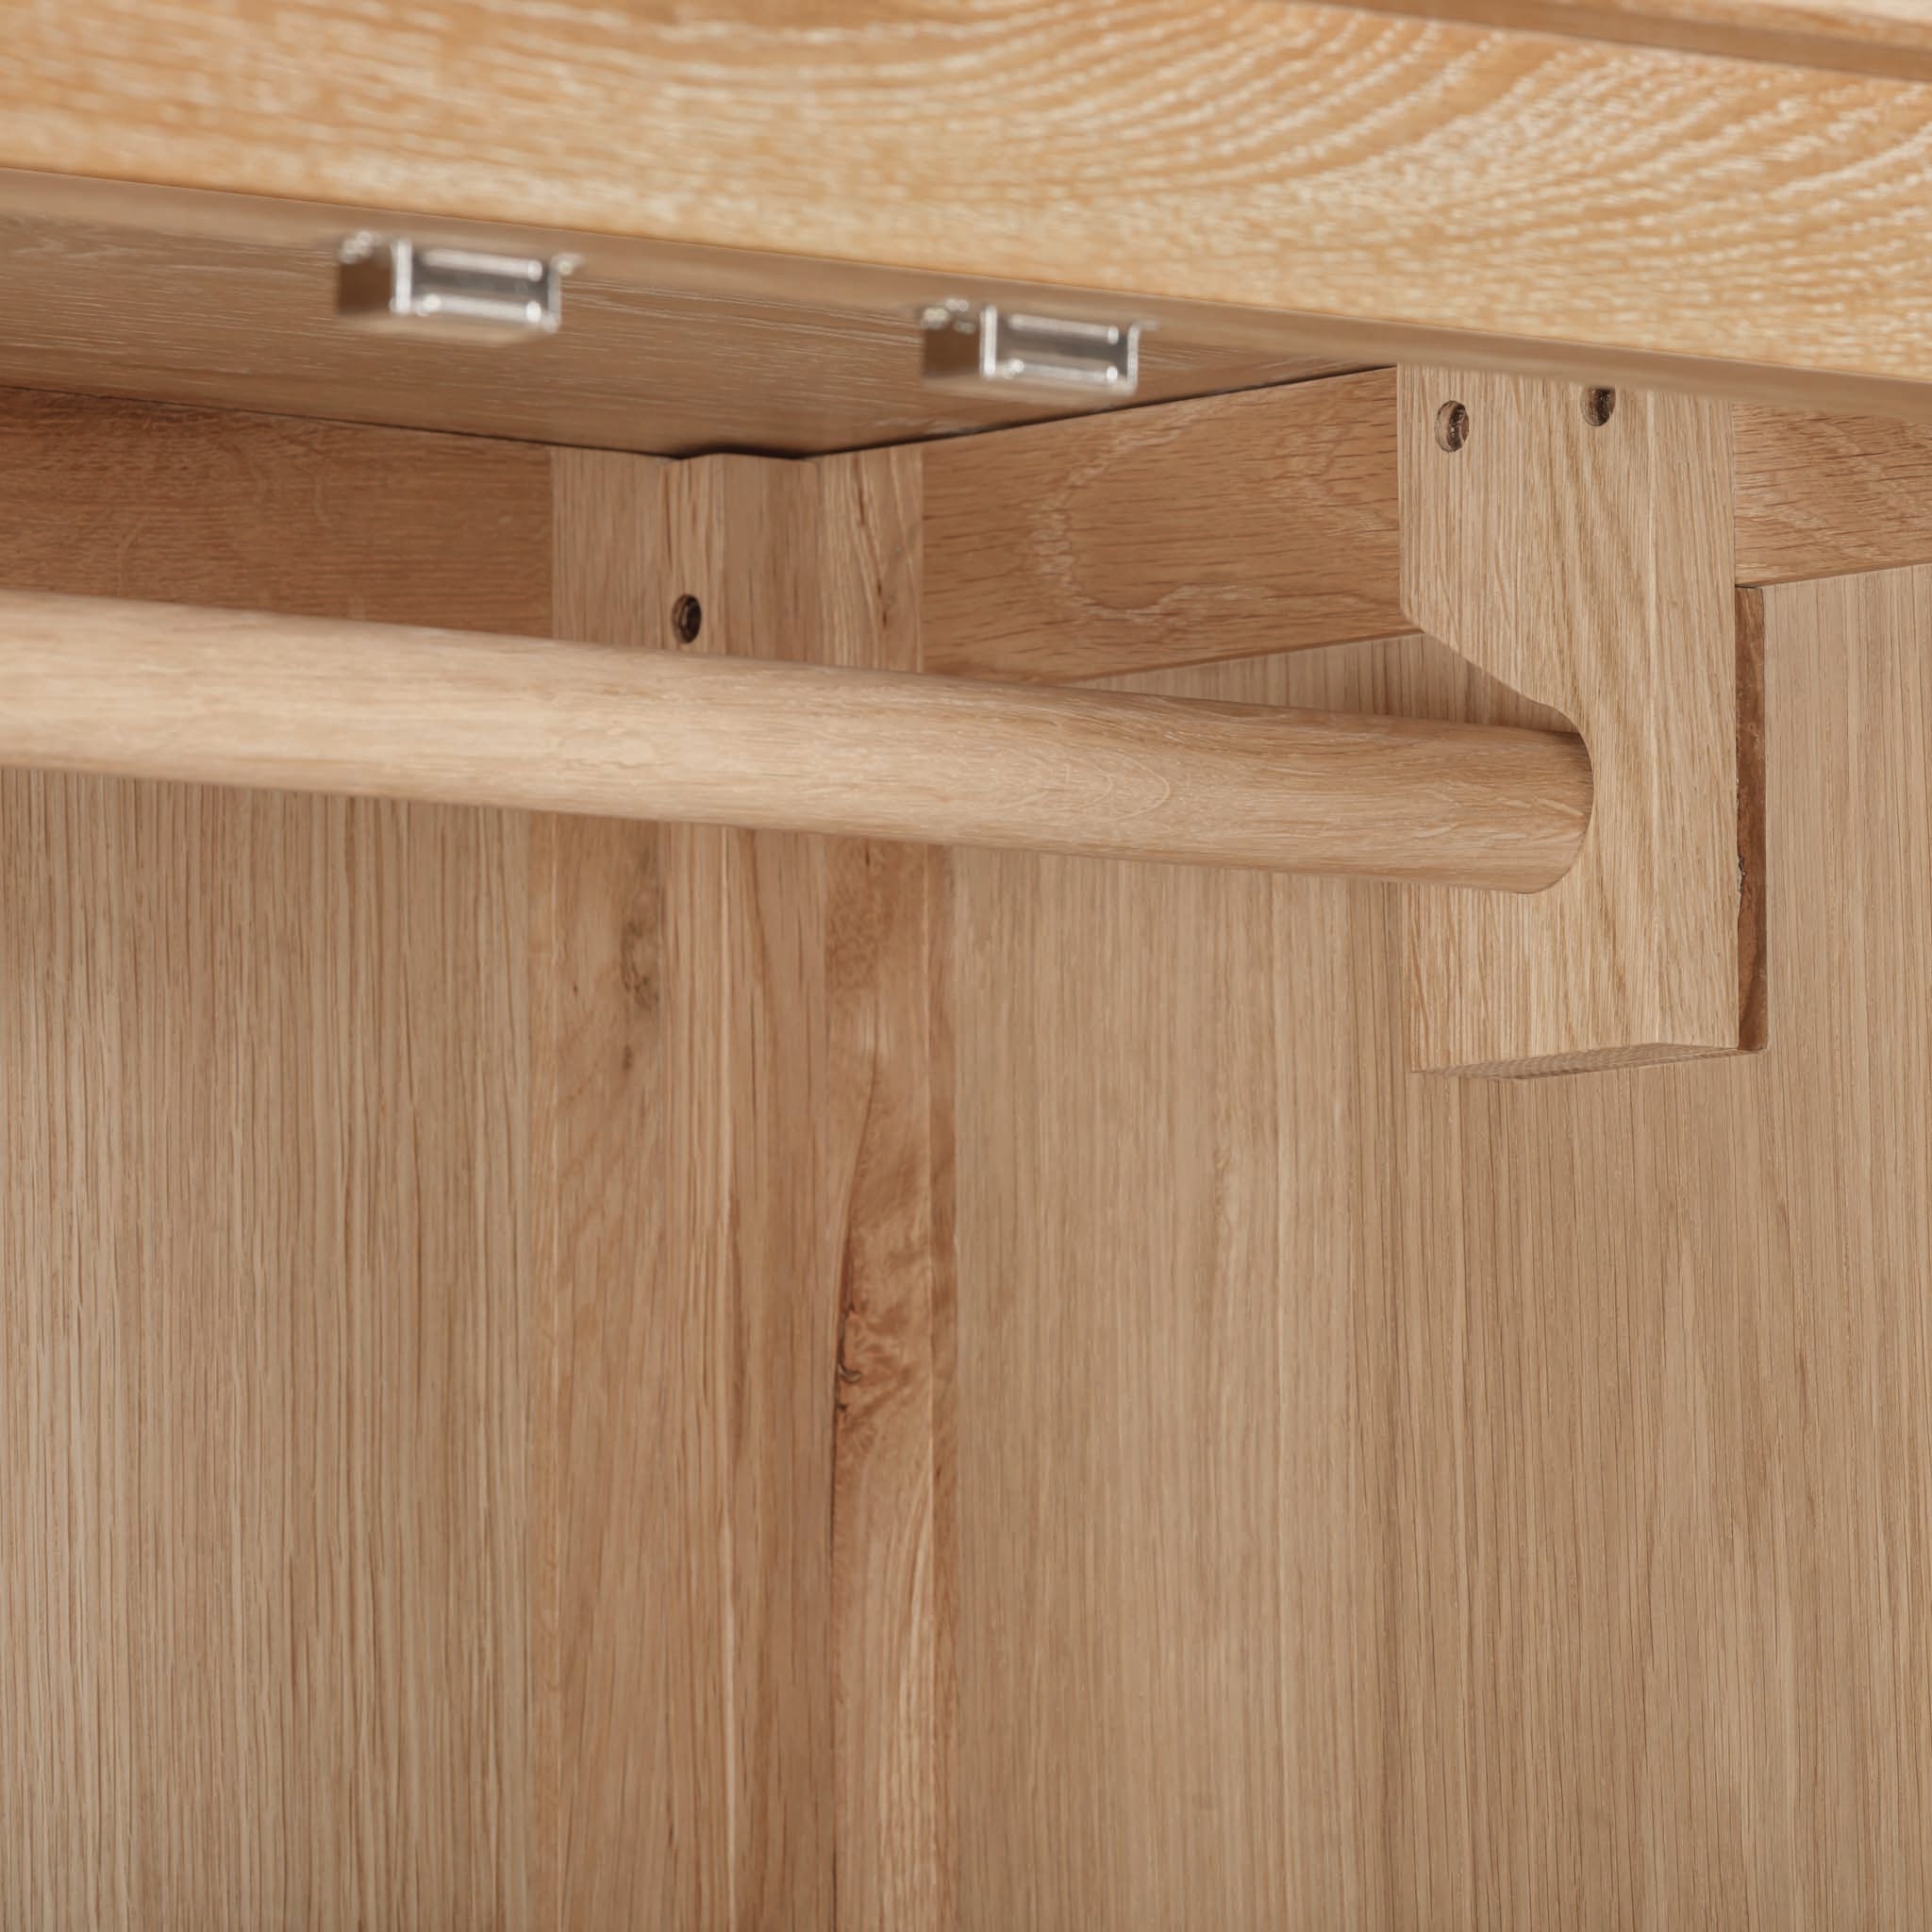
[(1891, 39), (257, 512), (1173, 1427), (749, 1272), (1230, 526), (457, 1470), (229, 299), (1820, 497), (1688, 1408), (1184, 532), (629, 1437), (264, 1240), (1585, 567), (889, 1014), (1222, 529), (261, 1359), (1406, 1503), (1354, 167), (753, 1215), (824, 1012)]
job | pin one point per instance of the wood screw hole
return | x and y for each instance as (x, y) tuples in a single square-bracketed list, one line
[(687, 618), (1451, 428), (1599, 405)]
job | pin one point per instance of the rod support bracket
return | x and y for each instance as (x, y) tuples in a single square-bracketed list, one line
[(1574, 546)]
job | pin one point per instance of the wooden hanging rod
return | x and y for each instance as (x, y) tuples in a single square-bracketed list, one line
[(240, 698)]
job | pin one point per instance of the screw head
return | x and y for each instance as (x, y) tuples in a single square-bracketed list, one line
[(1451, 428), (954, 312)]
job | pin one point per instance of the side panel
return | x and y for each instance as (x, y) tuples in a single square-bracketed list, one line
[(264, 1228), (1391, 1501)]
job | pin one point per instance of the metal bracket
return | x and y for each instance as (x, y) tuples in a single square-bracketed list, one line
[(448, 295), (971, 344)]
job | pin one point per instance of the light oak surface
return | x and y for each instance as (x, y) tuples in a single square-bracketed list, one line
[(1891, 39), (265, 1217), (1379, 1499), (1229, 527), (177, 692), (262, 1348), (457, 1470), (306, 518), (1218, 527), (739, 1546), (1352, 171), (1357, 1487), (229, 299), (1584, 569), (1821, 496), (802, 988), (1405, 1503)]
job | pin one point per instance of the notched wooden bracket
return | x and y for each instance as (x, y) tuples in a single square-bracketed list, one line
[(1576, 546)]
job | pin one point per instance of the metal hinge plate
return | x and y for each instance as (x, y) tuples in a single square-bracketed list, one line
[(452, 294), (977, 345)]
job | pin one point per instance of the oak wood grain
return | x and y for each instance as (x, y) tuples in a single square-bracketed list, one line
[(754, 1284), (455, 1469), (262, 512), (1353, 167), (229, 300), (1237, 526), (1185, 532), (1584, 569), (1232, 526), (1397, 1502), (888, 1017), (635, 1764), (165, 691), (265, 1645), (261, 1257), (821, 1246), (1891, 39), (1822, 496), (1175, 1622)]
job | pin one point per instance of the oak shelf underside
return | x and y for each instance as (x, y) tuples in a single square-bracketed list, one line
[(1640, 213)]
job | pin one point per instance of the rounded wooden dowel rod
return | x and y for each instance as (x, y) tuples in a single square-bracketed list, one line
[(240, 698)]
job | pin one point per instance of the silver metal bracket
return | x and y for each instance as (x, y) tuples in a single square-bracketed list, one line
[(448, 295), (971, 344)]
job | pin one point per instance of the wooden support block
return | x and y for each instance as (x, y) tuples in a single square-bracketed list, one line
[(1179, 533), (1586, 565), (753, 1725), (1224, 527), (1823, 496), (1237, 526)]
